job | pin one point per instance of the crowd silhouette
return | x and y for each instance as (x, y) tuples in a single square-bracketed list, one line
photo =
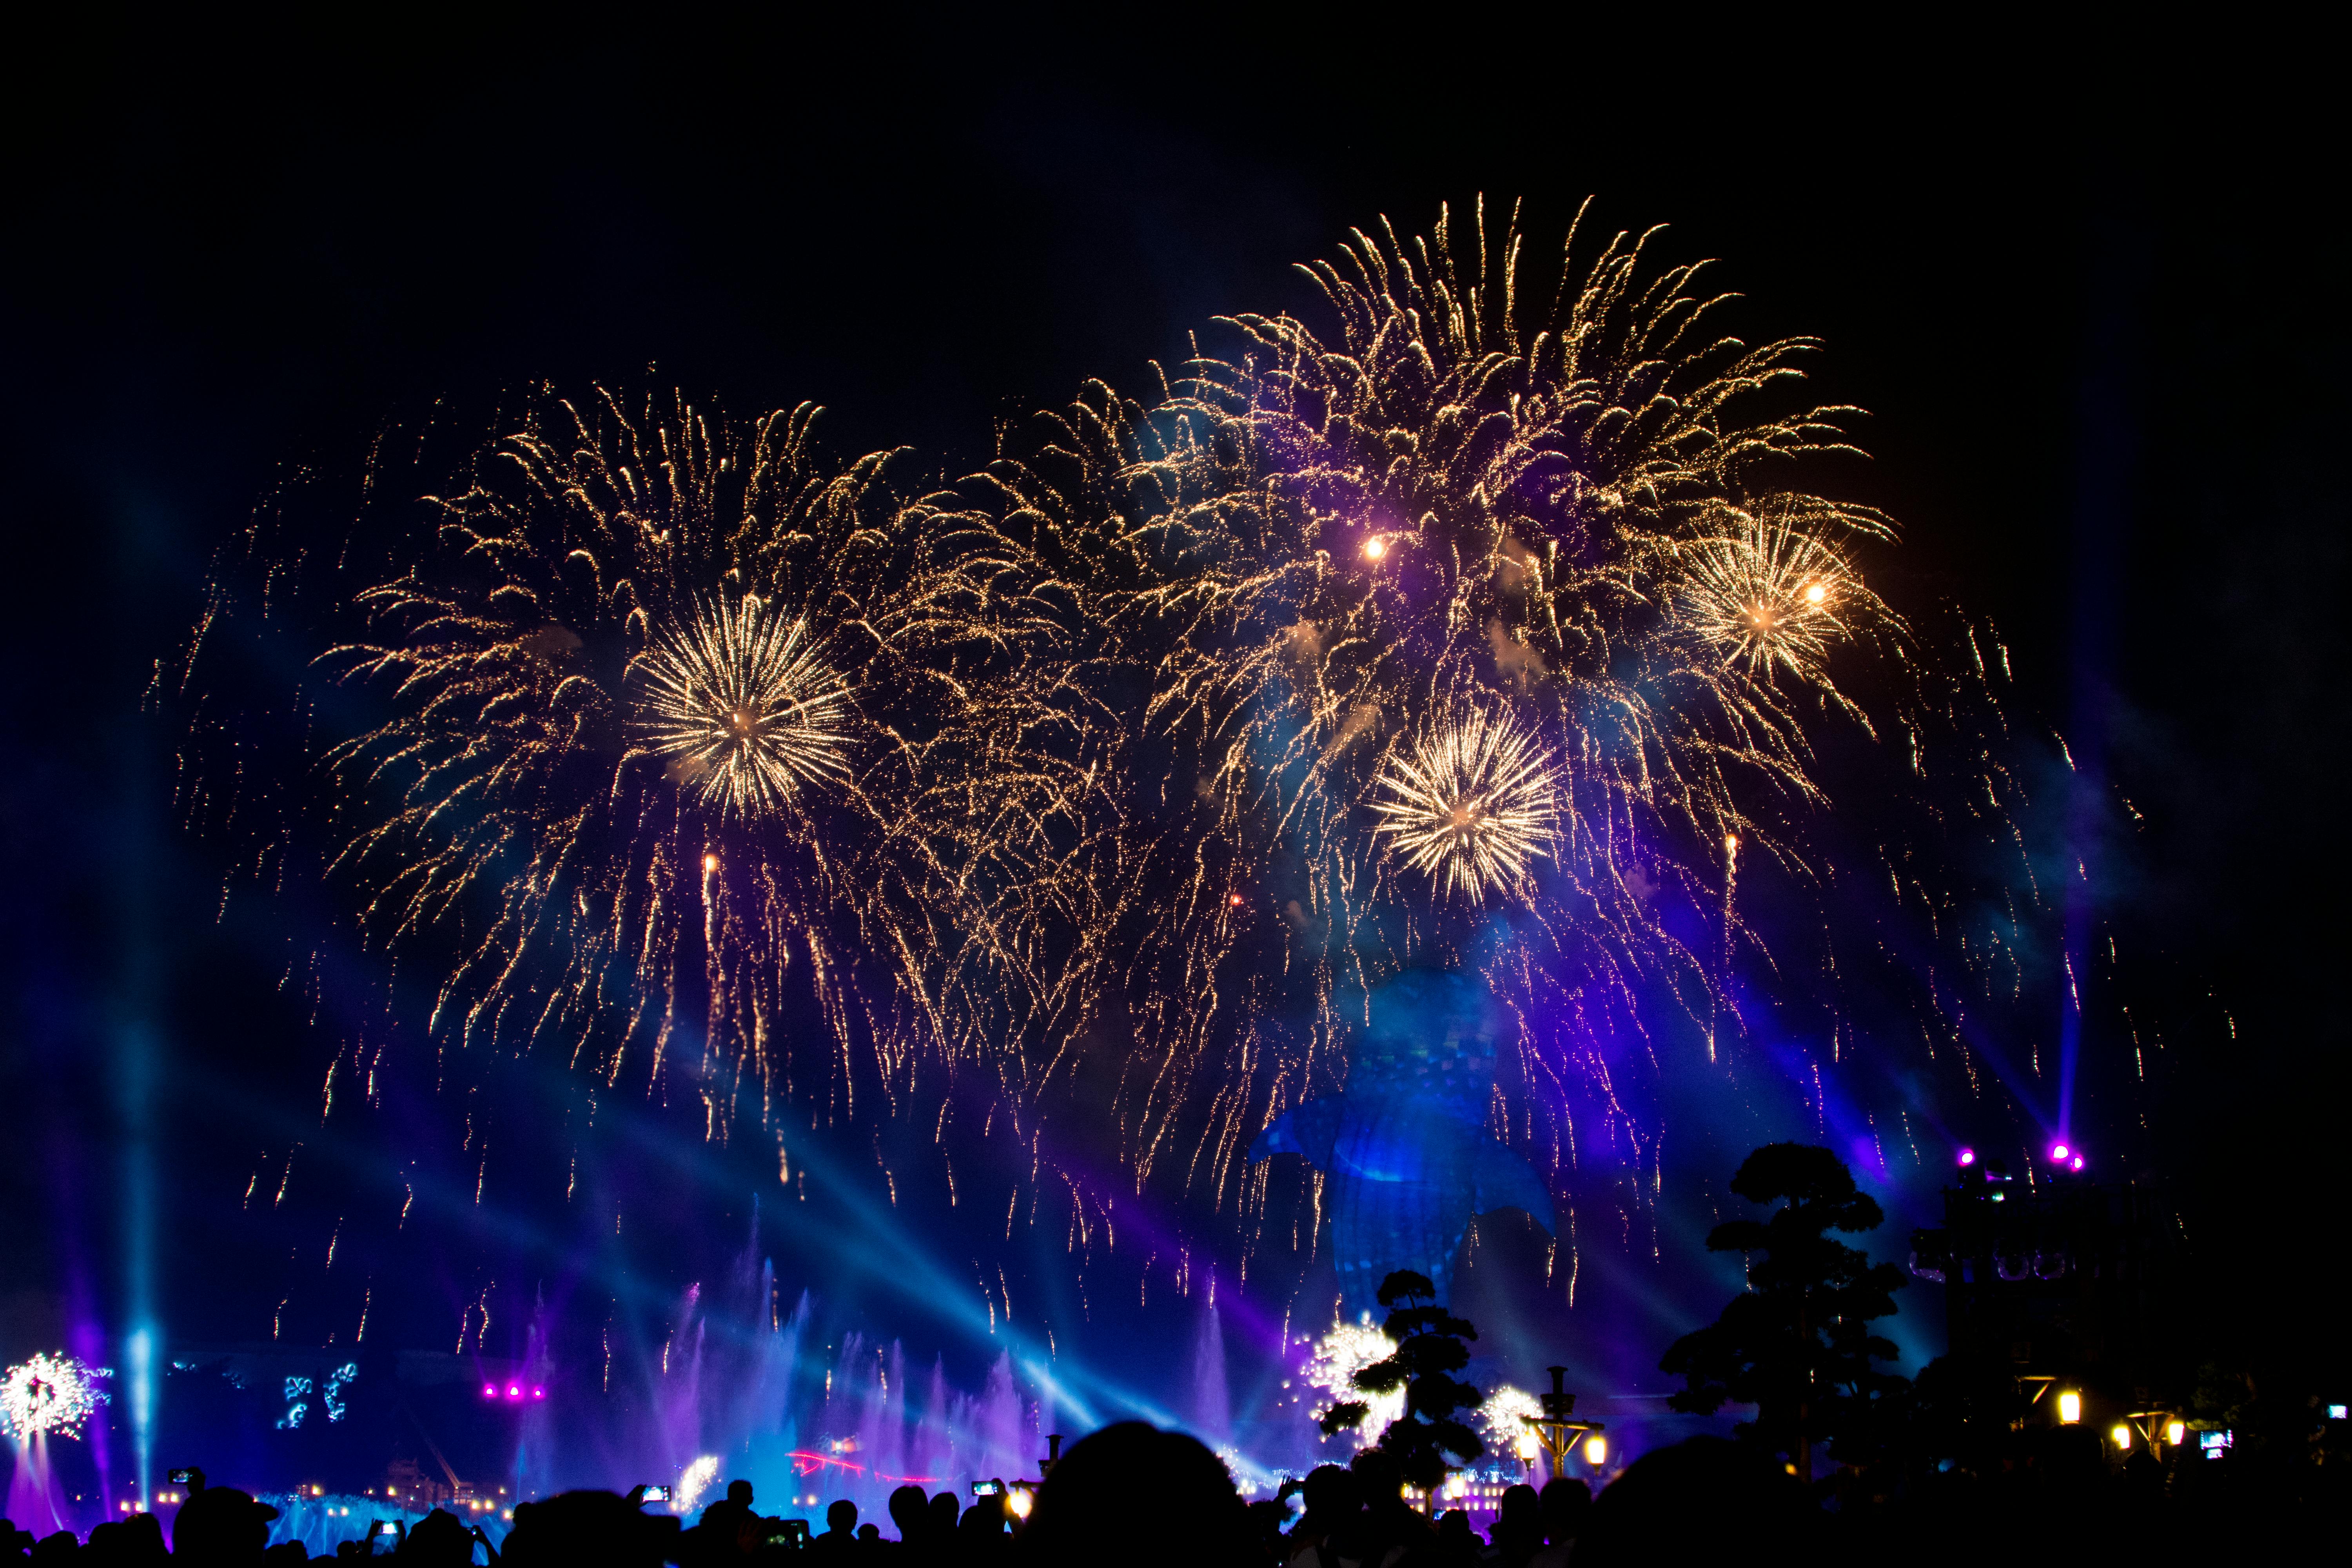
[(1134, 1494)]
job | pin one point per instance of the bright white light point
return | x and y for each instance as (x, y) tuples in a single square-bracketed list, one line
[(1236, 900), (1376, 547), (1816, 593), (710, 862), (1596, 1450)]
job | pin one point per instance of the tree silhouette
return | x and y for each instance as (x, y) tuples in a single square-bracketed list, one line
[(1429, 1349), (1797, 1342)]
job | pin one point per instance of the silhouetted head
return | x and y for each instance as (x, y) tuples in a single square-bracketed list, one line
[(221, 1524), (1333, 1496), (1133, 1492), (1378, 1478), (740, 1492), (842, 1516), (133, 1543), (438, 1541), (910, 1511), (1701, 1498), (1563, 1502), (120, 1543), (945, 1512), (286, 1555), (1518, 1523), (574, 1527)]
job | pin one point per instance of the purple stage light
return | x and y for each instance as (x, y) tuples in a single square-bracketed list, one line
[(488, 1391), (1968, 1156), (2058, 1153), (541, 1393), (2078, 1161), (514, 1391)]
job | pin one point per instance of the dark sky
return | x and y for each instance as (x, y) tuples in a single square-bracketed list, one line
[(2089, 289)]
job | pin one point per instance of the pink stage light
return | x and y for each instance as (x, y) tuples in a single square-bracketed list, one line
[(1968, 1156), (2058, 1153)]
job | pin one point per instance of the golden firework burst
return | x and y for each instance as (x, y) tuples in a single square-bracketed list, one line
[(744, 707), (1768, 594), (1472, 804)]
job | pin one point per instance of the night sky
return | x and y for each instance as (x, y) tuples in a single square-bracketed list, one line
[(2091, 295)]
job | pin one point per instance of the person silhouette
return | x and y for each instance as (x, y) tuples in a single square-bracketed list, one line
[(839, 1542), (224, 1526)]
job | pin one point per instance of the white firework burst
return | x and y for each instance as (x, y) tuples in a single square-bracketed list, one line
[(1331, 1371), (1768, 596), (50, 1393), (746, 708), (1471, 804)]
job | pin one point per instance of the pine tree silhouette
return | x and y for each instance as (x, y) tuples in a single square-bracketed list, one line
[(1797, 1342), (1426, 1439)]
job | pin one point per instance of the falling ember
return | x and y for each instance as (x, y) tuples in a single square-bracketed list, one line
[(744, 708), (1472, 805)]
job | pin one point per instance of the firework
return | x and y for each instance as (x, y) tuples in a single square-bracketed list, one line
[(1466, 629), (1331, 1370), (1414, 607), (657, 717), (1500, 1419), (1775, 600), (1470, 804), (695, 1481), (51, 1395), (741, 710)]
